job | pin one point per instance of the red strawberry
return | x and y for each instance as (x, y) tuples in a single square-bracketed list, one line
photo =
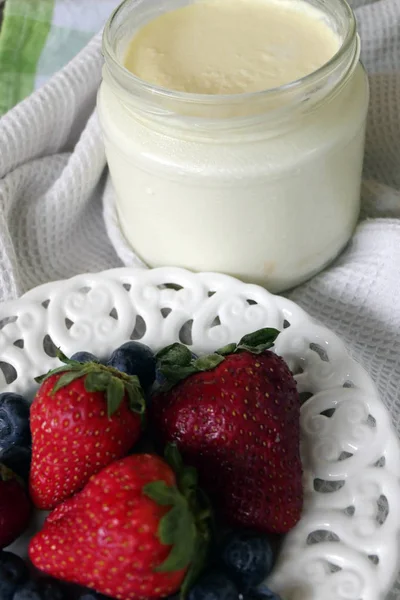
[(238, 424), (131, 533), (15, 507), (83, 417)]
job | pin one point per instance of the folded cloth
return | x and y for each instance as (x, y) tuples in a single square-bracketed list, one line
[(53, 184), (39, 37)]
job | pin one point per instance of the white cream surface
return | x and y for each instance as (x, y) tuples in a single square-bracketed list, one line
[(232, 46)]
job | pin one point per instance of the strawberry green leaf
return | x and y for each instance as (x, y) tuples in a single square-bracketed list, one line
[(180, 526), (175, 373), (66, 379), (207, 363), (258, 341), (97, 381), (196, 566), (186, 526), (115, 395), (68, 361), (69, 365), (174, 458), (161, 493), (175, 354), (61, 356), (135, 394), (226, 350), (175, 363), (188, 480), (179, 557), (255, 342), (168, 526), (63, 369), (186, 476)]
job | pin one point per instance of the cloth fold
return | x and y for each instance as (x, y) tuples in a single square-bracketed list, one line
[(53, 184), (51, 220)]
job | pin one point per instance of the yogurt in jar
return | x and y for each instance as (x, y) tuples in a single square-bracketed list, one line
[(232, 46), (234, 133)]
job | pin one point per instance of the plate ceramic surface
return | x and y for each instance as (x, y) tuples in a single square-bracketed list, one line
[(346, 545)]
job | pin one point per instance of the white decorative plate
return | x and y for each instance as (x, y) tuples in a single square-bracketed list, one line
[(346, 546)]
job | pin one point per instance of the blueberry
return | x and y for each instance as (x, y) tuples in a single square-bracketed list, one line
[(51, 589), (263, 593), (40, 590), (14, 421), (13, 572), (247, 558), (134, 358), (29, 591), (18, 459), (84, 357), (214, 586)]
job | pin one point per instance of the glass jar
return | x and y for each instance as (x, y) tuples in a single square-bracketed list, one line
[(263, 186)]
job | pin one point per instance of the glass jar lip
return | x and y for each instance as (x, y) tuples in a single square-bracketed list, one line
[(217, 99)]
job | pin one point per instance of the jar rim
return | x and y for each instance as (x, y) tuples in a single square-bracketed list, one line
[(141, 85)]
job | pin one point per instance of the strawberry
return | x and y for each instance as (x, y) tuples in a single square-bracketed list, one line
[(136, 531), (235, 417), (15, 507), (83, 417)]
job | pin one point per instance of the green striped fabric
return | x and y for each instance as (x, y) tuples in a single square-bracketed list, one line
[(38, 37), (24, 32)]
